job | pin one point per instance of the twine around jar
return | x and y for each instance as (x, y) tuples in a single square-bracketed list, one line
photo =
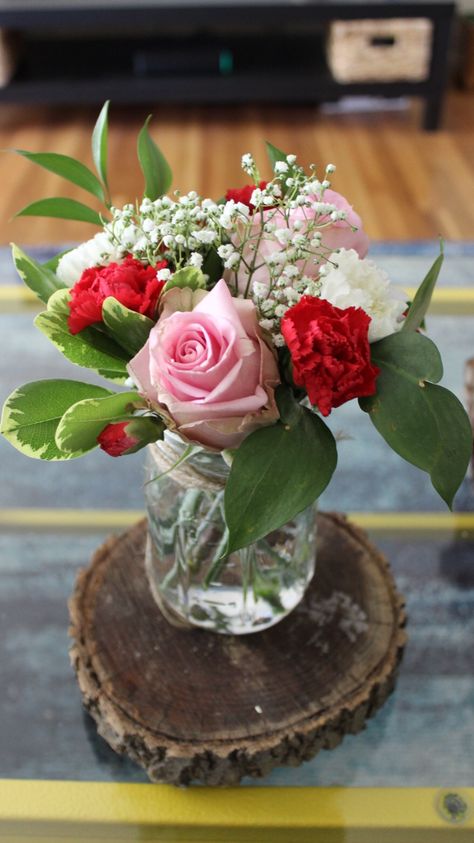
[(165, 457)]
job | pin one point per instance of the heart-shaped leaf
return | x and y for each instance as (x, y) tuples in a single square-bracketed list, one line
[(277, 472), (422, 422), (32, 413), (412, 356), (154, 166), (82, 423)]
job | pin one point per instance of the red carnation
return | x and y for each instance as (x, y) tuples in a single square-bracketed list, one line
[(243, 194), (115, 441), (130, 282), (330, 352)]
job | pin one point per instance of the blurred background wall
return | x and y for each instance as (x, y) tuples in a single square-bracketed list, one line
[(355, 85)]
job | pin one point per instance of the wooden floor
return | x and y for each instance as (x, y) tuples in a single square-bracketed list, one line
[(405, 183)]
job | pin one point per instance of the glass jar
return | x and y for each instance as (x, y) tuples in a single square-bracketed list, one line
[(247, 591)]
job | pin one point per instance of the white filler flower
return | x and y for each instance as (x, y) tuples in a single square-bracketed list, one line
[(99, 251), (350, 281)]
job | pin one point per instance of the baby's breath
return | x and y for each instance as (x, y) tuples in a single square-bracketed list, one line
[(270, 252)]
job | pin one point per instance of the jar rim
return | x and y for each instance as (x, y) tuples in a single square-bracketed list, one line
[(206, 463)]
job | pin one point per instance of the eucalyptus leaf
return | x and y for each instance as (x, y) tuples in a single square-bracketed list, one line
[(37, 277), (188, 276), (421, 302), (32, 413), (100, 143), (413, 356), (128, 328), (297, 455), (422, 422), (68, 168), (89, 348), (154, 166), (82, 423), (65, 209)]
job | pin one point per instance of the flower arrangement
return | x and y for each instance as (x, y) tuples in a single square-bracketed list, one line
[(237, 324)]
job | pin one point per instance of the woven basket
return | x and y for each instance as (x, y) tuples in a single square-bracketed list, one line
[(9, 54), (380, 50)]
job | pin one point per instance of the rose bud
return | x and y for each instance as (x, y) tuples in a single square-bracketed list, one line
[(120, 438)]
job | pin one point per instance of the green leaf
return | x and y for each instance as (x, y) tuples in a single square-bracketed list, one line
[(422, 422), (274, 154), (188, 276), (99, 143), (276, 473), (38, 278), (97, 335), (52, 264), (32, 413), (82, 423), (212, 266), (58, 302), (145, 429), (420, 304), (412, 356), (65, 209), (89, 348), (68, 168), (448, 466), (129, 328), (154, 166)]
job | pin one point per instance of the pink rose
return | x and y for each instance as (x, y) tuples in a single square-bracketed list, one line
[(338, 235), (208, 367)]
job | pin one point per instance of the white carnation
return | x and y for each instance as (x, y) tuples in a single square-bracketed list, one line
[(356, 282), (99, 251)]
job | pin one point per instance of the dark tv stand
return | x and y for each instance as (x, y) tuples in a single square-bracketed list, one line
[(213, 51)]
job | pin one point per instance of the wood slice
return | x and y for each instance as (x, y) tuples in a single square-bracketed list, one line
[(190, 705)]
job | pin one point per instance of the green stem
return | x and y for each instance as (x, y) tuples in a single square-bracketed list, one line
[(220, 560)]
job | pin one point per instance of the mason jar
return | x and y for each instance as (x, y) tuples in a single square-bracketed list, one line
[(193, 581)]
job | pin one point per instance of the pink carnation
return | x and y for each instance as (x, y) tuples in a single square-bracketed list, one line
[(336, 235)]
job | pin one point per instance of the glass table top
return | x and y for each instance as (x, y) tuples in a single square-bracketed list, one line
[(426, 728), (423, 737)]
